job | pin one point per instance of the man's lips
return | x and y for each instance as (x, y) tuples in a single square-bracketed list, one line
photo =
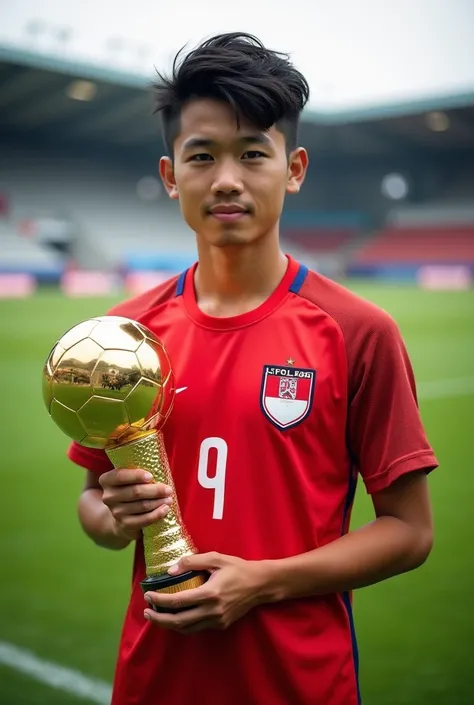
[(230, 217), (228, 208), (228, 212)]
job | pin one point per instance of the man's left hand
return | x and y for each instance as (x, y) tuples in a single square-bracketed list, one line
[(234, 587)]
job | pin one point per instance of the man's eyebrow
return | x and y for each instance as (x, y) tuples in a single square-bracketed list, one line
[(205, 142), (195, 142), (258, 138)]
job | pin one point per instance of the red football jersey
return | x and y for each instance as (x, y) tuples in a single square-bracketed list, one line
[(280, 410)]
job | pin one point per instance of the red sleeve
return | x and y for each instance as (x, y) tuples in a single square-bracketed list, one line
[(386, 434), (89, 458)]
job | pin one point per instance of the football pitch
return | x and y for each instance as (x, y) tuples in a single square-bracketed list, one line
[(62, 599)]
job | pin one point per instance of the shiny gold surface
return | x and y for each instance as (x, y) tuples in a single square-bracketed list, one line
[(166, 541), (108, 380), (108, 383), (195, 582)]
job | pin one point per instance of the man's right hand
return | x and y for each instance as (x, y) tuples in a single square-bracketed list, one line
[(134, 500)]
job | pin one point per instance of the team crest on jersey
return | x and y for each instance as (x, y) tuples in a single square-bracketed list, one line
[(287, 394)]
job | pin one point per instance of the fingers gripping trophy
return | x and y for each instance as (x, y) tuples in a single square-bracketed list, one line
[(108, 384)]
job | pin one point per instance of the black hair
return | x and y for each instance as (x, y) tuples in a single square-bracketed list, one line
[(261, 85)]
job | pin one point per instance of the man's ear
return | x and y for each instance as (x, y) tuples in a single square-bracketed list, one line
[(167, 176), (297, 167)]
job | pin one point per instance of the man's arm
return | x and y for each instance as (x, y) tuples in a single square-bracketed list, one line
[(398, 540), (96, 519), (115, 506)]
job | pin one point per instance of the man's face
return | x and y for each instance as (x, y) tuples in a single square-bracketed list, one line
[(231, 183)]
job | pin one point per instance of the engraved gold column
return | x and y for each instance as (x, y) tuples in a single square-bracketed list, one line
[(167, 541)]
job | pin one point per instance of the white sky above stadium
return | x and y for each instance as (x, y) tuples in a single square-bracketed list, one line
[(356, 54)]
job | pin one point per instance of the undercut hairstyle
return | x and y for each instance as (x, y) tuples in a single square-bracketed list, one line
[(260, 85)]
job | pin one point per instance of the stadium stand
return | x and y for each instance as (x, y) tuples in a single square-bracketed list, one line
[(324, 230), (427, 245), (20, 255), (114, 227), (320, 240), (438, 233)]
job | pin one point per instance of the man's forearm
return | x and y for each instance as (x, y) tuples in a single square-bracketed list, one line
[(377, 551), (98, 522)]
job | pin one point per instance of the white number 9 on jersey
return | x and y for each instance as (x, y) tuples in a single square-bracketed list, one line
[(216, 481)]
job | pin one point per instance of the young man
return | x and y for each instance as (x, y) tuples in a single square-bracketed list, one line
[(291, 387)]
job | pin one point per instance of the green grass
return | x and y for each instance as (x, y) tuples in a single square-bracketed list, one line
[(17, 689), (64, 599)]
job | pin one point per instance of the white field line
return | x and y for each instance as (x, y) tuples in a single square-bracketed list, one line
[(97, 691), (57, 677)]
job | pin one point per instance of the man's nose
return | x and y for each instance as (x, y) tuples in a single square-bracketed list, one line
[(227, 179)]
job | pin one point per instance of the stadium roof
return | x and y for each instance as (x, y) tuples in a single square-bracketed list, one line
[(41, 99), (359, 57)]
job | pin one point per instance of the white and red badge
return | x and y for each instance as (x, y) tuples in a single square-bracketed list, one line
[(287, 394)]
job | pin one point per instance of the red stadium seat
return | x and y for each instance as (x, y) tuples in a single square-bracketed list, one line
[(319, 240), (421, 244)]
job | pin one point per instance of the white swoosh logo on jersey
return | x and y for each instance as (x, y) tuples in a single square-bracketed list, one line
[(181, 389)]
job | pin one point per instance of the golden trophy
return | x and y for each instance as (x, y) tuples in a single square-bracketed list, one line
[(108, 384)]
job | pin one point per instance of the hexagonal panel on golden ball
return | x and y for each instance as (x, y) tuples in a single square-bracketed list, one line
[(141, 400), (77, 333), (111, 334), (53, 358), (71, 381), (115, 374), (150, 362), (67, 420), (104, 418)]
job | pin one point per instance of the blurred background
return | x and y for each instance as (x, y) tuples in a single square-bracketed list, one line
[(387, 209)]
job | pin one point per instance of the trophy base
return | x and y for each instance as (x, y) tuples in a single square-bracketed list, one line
[(172, 584)]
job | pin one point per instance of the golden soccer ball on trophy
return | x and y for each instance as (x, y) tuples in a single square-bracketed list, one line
[(107, 380), (108, 384)]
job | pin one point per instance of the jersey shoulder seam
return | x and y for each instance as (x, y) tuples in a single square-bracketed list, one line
[(148, 301)]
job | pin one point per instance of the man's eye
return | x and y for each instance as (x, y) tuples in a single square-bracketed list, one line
[(200, 158), (253, 154)]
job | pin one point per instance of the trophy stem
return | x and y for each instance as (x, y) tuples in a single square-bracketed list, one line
[(166, 541)]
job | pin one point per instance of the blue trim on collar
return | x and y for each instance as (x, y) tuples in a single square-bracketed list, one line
[(299, 279)]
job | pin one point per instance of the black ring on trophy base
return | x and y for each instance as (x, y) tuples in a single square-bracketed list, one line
[(158, 583)]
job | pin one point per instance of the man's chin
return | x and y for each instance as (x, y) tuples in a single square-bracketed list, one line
[(231, 241), (229, 236)]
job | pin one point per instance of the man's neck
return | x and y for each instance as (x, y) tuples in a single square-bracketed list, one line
[(234, 280)]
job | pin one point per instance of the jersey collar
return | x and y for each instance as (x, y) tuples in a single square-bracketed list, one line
[(290, 284)]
